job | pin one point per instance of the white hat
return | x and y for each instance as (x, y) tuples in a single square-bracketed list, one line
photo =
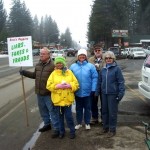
[(82, 51)]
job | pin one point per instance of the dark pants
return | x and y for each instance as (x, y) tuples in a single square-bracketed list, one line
[(94, 106), (83, 106), (67, 113), (109, 111)]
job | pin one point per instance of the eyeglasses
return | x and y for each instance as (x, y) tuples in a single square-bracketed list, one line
[(108, 58), (97, 50)]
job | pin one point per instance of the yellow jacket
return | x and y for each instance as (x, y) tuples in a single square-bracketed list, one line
[(62, 97)]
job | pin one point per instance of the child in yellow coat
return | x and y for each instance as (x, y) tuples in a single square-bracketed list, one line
[(62, 83)]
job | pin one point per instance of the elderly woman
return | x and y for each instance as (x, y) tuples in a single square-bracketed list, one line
[(62, 83), (87, 77), (111, 85)]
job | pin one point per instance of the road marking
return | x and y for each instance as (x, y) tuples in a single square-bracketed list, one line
[(135, 93), (4, 66), (14, 108)]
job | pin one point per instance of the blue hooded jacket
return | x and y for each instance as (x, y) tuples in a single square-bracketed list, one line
[(111, 81), (87, 77)]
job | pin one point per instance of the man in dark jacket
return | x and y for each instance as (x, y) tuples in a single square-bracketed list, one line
[(98, 63), (48, 112)]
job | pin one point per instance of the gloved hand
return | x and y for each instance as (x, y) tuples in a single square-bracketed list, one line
[(67, 86), (119, 97), (92, 93), (21, 72), (59, 86)]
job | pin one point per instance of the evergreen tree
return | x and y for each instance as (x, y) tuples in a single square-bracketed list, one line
[(66, 39), (41, 31), (3, 16), (63, 40), (20, 20), (143, 15), (51, 30), (107, 15), (36, 29)]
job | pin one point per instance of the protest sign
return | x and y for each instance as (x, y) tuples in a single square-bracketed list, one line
[(20, 51), (20, 54)]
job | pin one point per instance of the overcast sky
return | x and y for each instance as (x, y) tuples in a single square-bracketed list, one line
[(67, 13)]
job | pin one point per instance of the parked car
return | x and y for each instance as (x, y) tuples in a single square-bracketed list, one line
[(144, 85), (147, 51), (127, 51), (104, 50), (137, 52), (71, 52), (115, 50), (4, 52), (123, 52), (36, 52), (55, 53)]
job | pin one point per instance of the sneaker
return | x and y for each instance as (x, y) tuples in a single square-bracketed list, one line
[(55, 134), (78, 126), (45, 128), (87, 127), (111, 134)]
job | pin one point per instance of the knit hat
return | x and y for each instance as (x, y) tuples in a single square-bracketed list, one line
[(82, 51), (60, 60)]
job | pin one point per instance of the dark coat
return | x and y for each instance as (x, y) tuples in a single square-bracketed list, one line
[(41, 73), (111, 81)]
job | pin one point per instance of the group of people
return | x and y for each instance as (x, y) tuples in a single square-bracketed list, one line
[(85, 82)]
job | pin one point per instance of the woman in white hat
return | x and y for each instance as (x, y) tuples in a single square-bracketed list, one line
[(87, 77)]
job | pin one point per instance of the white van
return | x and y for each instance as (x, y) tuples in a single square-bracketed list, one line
[(144, 85)]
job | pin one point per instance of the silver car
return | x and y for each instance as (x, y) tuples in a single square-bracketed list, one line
[(56, 53)]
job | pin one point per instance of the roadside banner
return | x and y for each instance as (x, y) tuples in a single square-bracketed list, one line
[(20, 51)]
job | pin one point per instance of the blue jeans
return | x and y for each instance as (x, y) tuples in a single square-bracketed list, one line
[(109, 111), (83, 104), (67, 113), (48, 112)]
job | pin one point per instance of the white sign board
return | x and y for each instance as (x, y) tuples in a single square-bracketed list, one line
[(20, 51)]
